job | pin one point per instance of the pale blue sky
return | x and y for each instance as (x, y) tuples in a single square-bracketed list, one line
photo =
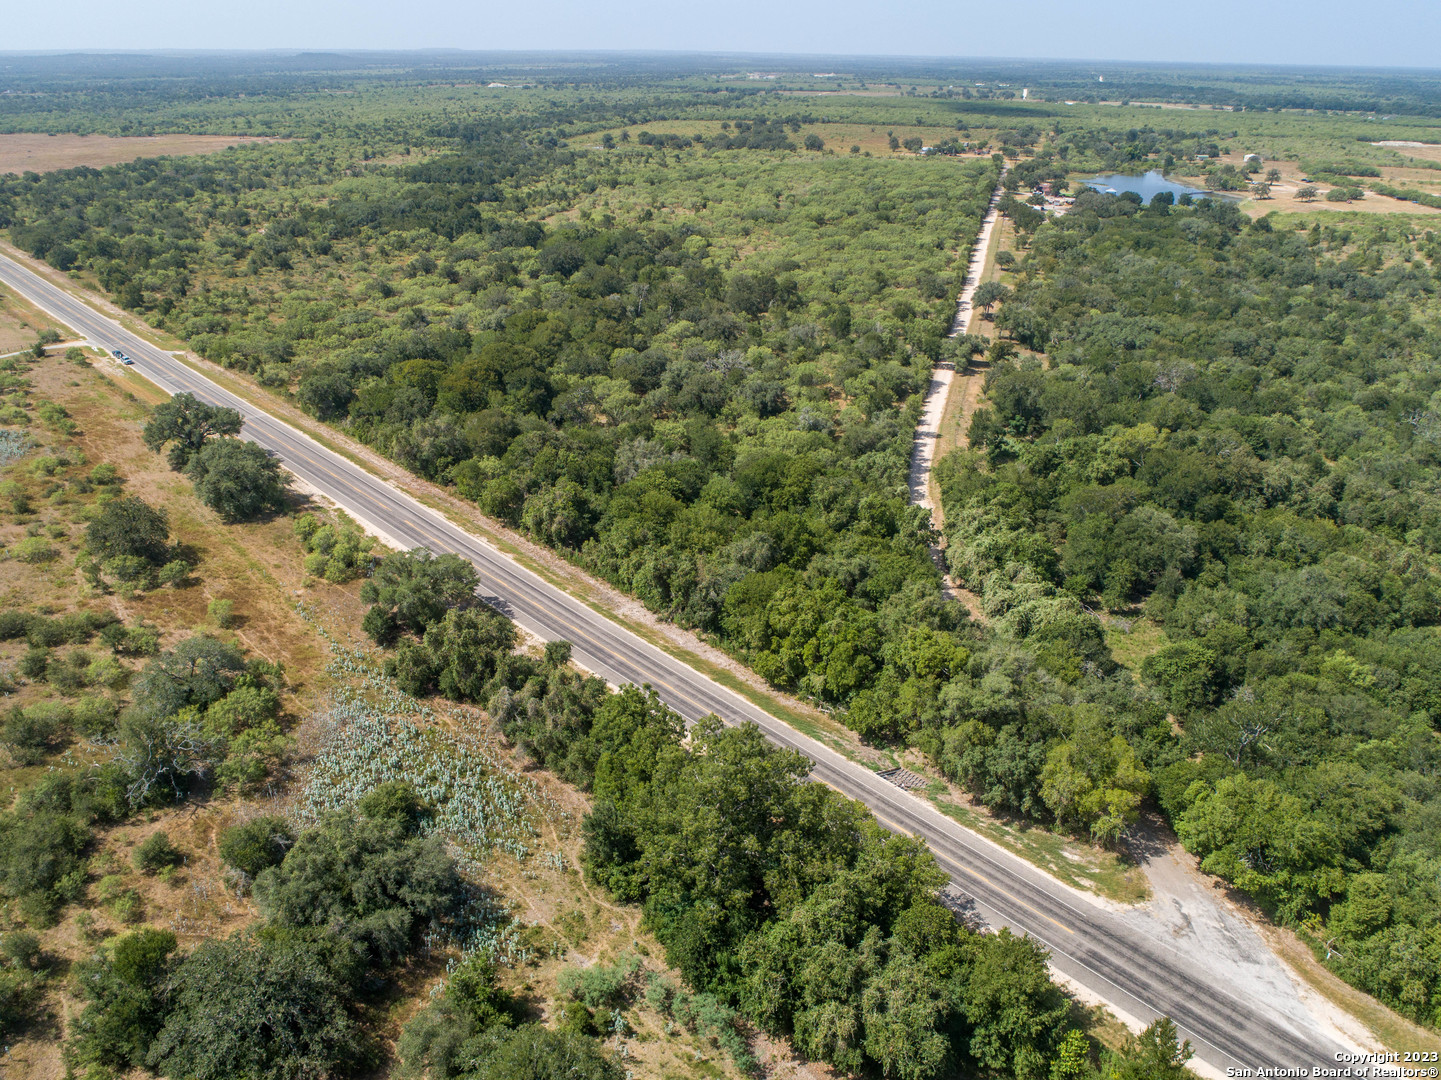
[(1391, 33)]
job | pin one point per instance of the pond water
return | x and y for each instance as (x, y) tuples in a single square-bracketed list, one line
[(1147, 186)]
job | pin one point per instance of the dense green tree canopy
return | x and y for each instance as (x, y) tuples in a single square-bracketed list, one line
[(372, 883), (269, 1006), (413, 590), (780, 896), (653, 322), (124, 989), (197, 672), (1229, 436), (129, 527), (186, 424), (238, 480)]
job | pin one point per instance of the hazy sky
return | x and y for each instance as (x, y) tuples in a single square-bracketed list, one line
[(1375, 33)]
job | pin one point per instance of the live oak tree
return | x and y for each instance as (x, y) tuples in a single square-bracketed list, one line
[(256, 845), (988, 294), (186, 423), (411, 590), (197, 672), (129, 527), (123, 988), (373, 883), (263, 1005), (238, 480), (457, 655)]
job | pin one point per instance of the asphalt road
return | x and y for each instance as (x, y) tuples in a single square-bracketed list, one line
[(1139, 974)]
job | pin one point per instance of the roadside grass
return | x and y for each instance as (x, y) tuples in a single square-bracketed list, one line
[(1003, 238), (256, 565), (1391, 1029), (1083, 867), (1101, 1025), (21, 322)]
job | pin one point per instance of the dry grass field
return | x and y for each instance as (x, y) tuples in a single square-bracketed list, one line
[(20, 322), (1426, 151), (1283, 195), (25, 152)]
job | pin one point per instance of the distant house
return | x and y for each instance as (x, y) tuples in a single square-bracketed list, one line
[(1252, 159), (496, 85)]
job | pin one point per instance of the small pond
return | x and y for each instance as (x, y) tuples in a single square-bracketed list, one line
[(1147, 186)]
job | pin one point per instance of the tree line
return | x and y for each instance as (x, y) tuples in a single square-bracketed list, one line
[(1229, 435)]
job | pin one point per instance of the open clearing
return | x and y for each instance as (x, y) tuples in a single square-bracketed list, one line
[(1428, 151), (1283, 195), (46, 153)]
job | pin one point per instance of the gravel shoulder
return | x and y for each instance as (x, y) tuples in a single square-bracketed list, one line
[(1223, 933)]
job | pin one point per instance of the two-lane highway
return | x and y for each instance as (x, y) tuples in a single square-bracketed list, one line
[(1138, 973)]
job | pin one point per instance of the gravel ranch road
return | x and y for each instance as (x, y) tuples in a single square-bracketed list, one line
[(928, 431), (1139, 973)]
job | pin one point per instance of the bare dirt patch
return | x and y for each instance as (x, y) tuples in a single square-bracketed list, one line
[(1347, 1005), (1214, 925), (45, 153)]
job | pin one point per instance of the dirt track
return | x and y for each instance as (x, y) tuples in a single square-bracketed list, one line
[(928, 431)]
